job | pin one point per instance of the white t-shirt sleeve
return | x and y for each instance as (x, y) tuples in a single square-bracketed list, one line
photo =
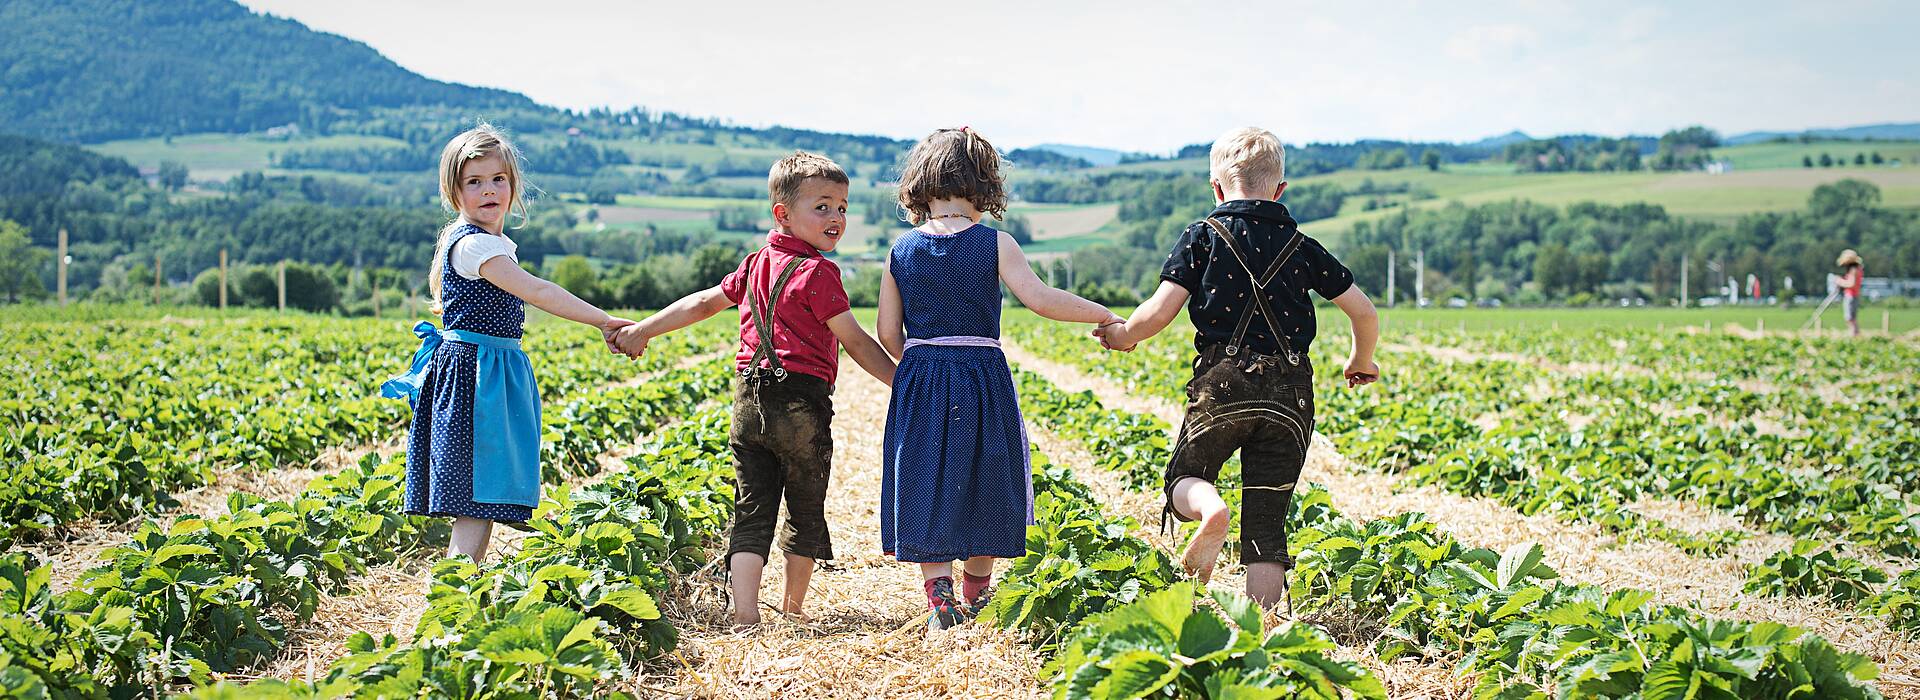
[(478, 248)]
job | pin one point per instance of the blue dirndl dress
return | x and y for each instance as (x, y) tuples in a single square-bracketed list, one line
[(957, 480), (474, 447)]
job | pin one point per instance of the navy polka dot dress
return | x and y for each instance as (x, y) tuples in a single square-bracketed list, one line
[(957, 481), (440, 442)]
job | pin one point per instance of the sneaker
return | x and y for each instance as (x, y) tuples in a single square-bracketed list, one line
[(947, 609)]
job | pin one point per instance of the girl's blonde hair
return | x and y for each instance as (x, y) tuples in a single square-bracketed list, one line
[(953, 164), (478, 142)]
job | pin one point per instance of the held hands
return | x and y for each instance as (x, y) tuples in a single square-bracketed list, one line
[(629, 341), (1112, 333), (611, 331), (1361, 371)]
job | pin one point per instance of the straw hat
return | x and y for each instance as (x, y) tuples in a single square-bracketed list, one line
[(1848, 257)]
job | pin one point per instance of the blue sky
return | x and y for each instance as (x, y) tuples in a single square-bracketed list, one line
[(1155, 75)]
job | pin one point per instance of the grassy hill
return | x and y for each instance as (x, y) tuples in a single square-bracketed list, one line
[(89, 70)]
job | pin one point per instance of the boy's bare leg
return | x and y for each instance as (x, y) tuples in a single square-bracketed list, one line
[(470, 537), (1266, 582), (799, 576), (743, 574), (1196, 499)]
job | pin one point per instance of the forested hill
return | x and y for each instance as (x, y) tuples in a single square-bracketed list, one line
[(93, 70)]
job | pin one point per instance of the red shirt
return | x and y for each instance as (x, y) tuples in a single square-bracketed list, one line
[(801, 338), (1857, 275)]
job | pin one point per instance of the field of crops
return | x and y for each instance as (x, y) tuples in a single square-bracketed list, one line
[(1514, 512)]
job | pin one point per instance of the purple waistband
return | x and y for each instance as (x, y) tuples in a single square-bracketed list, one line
[(959, 341)]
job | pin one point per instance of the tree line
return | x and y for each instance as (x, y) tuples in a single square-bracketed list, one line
[(1532, 253)]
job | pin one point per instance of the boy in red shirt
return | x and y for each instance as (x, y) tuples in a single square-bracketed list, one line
[(794, 316)]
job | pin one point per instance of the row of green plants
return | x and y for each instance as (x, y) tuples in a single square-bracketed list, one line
[(574, 612), (208, 595), (1498, 616), (1586, 448), (1502, 617), (1785, 360), (112, 418), (1109, 610)]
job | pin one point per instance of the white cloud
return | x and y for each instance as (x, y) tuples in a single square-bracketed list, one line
[(1492, 41), (1155, 76)]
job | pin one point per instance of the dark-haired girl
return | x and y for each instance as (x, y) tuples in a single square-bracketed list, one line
[(957, 484)]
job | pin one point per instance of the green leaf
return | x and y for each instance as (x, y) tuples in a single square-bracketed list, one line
[(180, 550), (1204, 634), (1518, 562), (1666, 680), (632, 601), (1134, 674), (1242, 610)]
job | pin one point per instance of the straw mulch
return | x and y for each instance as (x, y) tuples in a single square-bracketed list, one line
[(865, 636)]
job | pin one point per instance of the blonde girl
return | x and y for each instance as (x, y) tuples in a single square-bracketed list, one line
[(473, 451)]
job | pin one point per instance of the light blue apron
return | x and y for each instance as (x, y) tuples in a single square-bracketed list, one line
[(506, 412)]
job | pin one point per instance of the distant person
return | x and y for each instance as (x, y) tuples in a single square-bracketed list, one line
[(473, 450), (1853, 274), (958, 482), (794, 316), (1243, 274)]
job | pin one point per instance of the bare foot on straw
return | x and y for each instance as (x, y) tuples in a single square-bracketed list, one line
[(746, 619), (1201, 554)]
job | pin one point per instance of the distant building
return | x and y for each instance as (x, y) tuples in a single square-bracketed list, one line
[(284, 132), (1875, 288), (1717, 167)]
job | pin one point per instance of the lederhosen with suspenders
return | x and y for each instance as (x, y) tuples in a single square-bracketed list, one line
[(782, 443), (1258, 404)]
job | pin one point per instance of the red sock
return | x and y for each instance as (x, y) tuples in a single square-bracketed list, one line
[(972, 586), (932, 602)]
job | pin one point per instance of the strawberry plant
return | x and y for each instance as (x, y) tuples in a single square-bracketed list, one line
[(1165, 645)]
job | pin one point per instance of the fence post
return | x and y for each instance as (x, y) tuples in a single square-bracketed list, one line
[(63, 267), (156, 279), (223, 279), (281, 281)]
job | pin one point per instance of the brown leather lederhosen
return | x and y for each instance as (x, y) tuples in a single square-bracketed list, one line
[(1254, 403)]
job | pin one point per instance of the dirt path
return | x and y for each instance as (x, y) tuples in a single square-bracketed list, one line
[(1581, 553), (865, 638)]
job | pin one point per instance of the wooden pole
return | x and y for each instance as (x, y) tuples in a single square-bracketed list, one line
[(156, 279), (1683, 280), (1420, 279), (281, 280), (1389, 277), (376, 294), (1763, 325), (1886, 321), (63, 267), (223, 279)]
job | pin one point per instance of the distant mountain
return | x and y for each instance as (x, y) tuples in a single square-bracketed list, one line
[(1498, 142), (1884, 132), (1096, 156), (93, 70)]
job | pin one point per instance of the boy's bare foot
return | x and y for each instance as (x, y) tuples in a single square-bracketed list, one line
[(745, 620), (797, 615), (1201, 554)]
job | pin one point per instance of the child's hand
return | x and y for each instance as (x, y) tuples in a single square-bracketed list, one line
[(1361, 371), (610, 328), (1113, 336), (629, 341)]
